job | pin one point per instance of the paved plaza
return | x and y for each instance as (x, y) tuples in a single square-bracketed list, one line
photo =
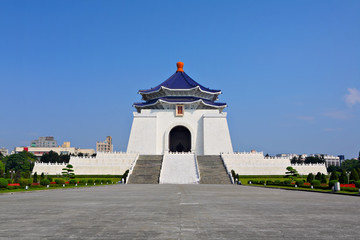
[(178, 212)]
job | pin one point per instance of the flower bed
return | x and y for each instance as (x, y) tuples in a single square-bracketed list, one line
[(14, 184), (36, 184), (347, 185)]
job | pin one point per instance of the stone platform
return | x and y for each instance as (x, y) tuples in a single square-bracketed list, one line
[(178, 212)]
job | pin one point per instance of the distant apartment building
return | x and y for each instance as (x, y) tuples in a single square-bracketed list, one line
[(4, 151), (342, 158), (44, 142), (65, 149), (105, 146), (329, 159)]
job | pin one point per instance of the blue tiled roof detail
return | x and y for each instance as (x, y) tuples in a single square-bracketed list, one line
[(179, 99), (179, 80)]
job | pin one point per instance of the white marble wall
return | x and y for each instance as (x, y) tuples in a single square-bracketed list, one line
[(257, 164), (103, 164)]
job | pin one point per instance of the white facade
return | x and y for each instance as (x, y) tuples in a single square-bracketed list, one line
[(208, 128), (4, 151)]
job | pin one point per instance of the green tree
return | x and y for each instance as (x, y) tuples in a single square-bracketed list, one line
[(347, 165), (291, 172), (312, 159), (23, 161), (310, 177), (354, 175), (318, 176), (2, 169), (343, 177), (42, 176), (334, 176), (333, 168), (68, 172), (323, 178), (35, 177), (50, 157), (64, 158), (17, 176)]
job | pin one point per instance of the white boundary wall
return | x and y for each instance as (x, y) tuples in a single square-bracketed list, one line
[(103, 164), (209, 131), (179, 168), (247, 163)]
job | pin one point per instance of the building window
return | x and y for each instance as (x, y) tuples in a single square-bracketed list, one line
[(179, 110)]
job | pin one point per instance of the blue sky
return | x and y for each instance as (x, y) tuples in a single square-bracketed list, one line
[(289, 70)]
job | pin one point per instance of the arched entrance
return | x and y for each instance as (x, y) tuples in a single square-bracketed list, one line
[(180, 139)]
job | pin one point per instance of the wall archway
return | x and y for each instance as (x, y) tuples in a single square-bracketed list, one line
[(179, 139)]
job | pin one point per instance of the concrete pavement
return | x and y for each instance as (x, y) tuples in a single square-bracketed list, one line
[(178, 212)]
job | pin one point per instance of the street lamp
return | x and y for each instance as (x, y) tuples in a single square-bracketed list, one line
[(348, 175), (11, 174)]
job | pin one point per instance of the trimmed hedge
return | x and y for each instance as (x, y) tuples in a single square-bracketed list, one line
[(3, 183), (300, 182), (44, 182), (315, 183), (82, 181), (357, 184), (90, 181), (60, 181), (26, 182), (332, 183), (73, 182), (97, 181), (287, 182), (349, 189)]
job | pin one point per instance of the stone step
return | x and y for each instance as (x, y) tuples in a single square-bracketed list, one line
[(147, 170), (212, 170)]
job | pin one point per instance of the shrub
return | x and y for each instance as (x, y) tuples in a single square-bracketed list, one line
[(97, 181), (310, 177), (315, 183), (59, 181), (357, 184), (323, 178), (262, 181), (332, 183), (255, 182), (44, 182), (300, 182), (72, 182), (90, 181), (269, 182), (25, 182), (108, 181), (50, 178), (287, 182), (9, 180), (35, 177), (3, 183), (277, 182), (82, 181), (349, 189)]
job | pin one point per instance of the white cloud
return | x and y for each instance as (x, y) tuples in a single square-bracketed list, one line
[(353, 97)]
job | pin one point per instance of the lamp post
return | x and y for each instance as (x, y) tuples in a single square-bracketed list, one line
[(348, 175), (11, 174)]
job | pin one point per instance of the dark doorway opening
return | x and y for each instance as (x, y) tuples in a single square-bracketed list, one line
[(180, 139)]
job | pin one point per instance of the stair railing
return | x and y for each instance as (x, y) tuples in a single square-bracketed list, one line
[(227, 170), (131, 169), (197, 167)]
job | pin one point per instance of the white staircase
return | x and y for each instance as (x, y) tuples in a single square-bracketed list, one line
[(179, 168)]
